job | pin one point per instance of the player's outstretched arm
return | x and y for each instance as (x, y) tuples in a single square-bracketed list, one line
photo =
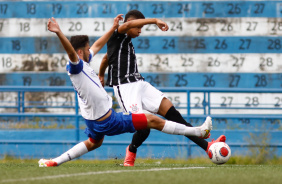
[(99, 44), (54, 27), (141, 22), (103, 66)]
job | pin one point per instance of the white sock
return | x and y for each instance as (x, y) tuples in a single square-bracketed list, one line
[(74, 152), (171, 127)]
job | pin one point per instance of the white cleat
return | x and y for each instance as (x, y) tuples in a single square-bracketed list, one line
[(206, 128), (47, 163)]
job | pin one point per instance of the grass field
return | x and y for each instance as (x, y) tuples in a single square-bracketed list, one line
[(145, 172)]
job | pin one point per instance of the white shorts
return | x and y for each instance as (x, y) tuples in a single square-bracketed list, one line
[(138, 96)]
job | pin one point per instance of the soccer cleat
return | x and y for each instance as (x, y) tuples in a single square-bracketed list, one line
[(129, 158), (47, 163), (207, 136), (221, 138), (206, 128)]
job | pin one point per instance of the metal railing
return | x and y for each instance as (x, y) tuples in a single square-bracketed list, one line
[(205, 106)]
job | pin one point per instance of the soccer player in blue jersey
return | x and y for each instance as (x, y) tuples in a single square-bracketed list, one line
[(96, 105), (132, 92)]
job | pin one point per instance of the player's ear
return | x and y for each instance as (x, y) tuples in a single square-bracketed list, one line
[(79, 52)]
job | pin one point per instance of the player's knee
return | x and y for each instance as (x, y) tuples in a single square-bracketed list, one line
[(93, 144), (165, 105), (154, 121), (98, 144)]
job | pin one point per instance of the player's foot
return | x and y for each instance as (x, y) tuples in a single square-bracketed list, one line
[(47, 163), (221, 138), (206, 128), (207, 136), (129, 158)]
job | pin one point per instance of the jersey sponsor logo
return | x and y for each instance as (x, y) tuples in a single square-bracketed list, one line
[(133, 75)]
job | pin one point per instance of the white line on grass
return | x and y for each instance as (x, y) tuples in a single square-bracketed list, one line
[(94, 173)]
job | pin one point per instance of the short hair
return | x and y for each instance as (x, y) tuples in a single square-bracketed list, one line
[(79, 41), (136, 14)]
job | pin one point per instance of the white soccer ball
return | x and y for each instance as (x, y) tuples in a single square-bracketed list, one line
[(219, 152)]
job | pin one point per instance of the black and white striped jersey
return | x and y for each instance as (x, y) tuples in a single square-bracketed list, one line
[(122, 60)]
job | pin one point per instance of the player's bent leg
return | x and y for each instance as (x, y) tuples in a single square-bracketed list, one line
[(164, 106), (75, 152), (138, 138), (140, 124), (173, 115), (92, 144)]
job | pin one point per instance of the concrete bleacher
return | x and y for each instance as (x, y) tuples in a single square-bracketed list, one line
[(227, 53)]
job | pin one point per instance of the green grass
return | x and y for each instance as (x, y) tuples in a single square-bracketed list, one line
[(110, 171)]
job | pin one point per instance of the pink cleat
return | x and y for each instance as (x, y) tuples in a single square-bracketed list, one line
[(47, 163), (221, 138), (129, 158)]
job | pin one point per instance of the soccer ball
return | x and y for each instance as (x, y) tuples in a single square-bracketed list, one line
[(219, 152)]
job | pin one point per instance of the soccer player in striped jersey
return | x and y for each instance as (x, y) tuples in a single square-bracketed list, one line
[(132, 92), (96, 105)]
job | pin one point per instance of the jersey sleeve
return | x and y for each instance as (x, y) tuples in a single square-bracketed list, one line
[(75, 67)]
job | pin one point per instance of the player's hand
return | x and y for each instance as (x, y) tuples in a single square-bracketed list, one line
[(162, 25), (101, 80), (53, 26), (116, 20)]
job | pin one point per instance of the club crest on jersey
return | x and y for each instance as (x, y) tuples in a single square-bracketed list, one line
[(134, 108), (93, 73)]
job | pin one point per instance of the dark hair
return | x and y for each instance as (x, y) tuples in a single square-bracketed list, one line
[(79, 41), (136, 14)]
